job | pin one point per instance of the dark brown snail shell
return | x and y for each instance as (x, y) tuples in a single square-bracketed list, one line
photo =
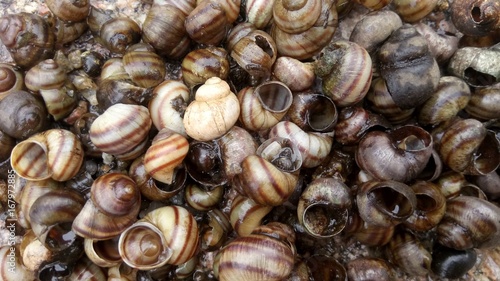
[(15, 28), (119, 33), (476, 17), (69, 10), (410, 71), (23, 115), (451, 263)]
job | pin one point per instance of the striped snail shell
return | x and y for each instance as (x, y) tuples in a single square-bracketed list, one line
[(55, 153), (167, 235), (266, 254), (120, 128)]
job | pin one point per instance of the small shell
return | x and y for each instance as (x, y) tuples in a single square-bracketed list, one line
[(202, 198), (56, 154), (69, 10), (484, 102), (245, 214), (144, 66), (103, 253), (201, 64), (213, 112), (10, 80), (45, 75), (119, 33), (297, 75), (120, 128), (256, 53), (115, 194)]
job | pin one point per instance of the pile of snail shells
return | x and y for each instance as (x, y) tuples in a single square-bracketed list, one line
[(252, 140)]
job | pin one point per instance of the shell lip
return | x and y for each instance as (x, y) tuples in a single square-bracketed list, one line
[(24, 148), (281, 152), (274, 96)]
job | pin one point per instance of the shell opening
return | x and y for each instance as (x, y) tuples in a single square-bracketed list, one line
[(275, 97), (30, 160)]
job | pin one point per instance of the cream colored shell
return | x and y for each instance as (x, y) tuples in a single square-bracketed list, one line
[(213, 112)]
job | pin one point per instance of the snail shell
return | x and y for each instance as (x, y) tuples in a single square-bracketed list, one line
[(117, 204), (297, 75), (259, 12), (69, 10), (430, 208), (167, 235), (381, 102), (166, 34), (245, 215), (313, 147), (144, 66), (256, 53), (385, 203), (411, 11), (117, 34), (103, 253), (202, 198), (386, 21), (166, 107), (366, 269), (39, 45), (7, 262), (412, 74), (120, 128), (484, 102), (407, 252), (55, 153), (313, 112), (208, 23), (294, 16), (346, 71), (323, 207), (267, 178), (166, 153), (464, 146), (10, 80), (266, 254), (400, 155), (213, 112), (204, 163), (201, 64), (469, 222), (479, 67), (354, 122), (264, 106), (476, 17)]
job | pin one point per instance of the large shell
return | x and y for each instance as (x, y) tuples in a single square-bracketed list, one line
[(120, 128), (167, 106), (56, 154)]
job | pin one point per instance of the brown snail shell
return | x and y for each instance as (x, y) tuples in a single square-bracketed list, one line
[(367, 268), (451, 96), (411, 74), (39, 46), (103, 253), (67, 32), (10, 80), (102, 221), (120, 128), (119, 33), (166, 34), (69, 10), (213, 112), (23, 115), (167, 235), (314, 147), (202, 198), (367, 233), (237, 32), (204, 163), (385, 203), (264, 106), (201, 64), (144, 66), (166, 107), (55, 153), (21, 272), (484, 102), (297, 75), (354, 122), (306, 44), (386, 21), (313, 112), (324, 206), (207, 23), (430, 208), (268, 178), (469, 222), (294, 16), (346, 72), (51, 216), (234, 147), (256, 53), (266, 254), (464, 146), (214, 232), (476, 17), (413, 11), (259, 13), (408, 253), (60, 102), (381, 102), (399, 155), (119, 88), (166, 153)]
